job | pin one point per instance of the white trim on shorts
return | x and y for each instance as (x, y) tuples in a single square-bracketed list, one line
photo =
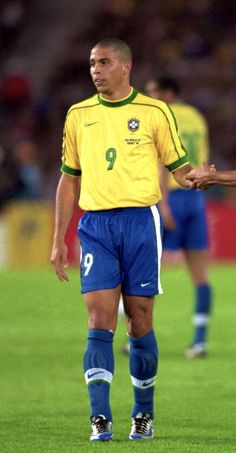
[(157, 223)]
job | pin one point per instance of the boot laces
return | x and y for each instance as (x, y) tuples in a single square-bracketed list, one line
[(99, 424), (141, 423)]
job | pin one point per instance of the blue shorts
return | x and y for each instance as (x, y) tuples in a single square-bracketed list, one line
[(121, 247), (188, 210)]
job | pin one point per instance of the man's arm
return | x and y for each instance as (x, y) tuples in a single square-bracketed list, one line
[(225, 178), (180, 175), (66, 199)]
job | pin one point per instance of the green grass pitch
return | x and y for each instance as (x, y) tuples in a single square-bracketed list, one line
[(43, 398)]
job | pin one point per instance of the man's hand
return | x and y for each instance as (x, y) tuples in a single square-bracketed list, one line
[(59, 260), (201, 177)]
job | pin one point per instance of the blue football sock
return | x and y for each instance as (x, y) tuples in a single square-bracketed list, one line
[(202, 313), (143, 370), (99, 369)]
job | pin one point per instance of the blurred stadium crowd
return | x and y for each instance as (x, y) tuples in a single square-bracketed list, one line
[(192, 40)]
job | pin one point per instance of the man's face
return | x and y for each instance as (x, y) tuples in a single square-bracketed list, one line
[(107, 70)]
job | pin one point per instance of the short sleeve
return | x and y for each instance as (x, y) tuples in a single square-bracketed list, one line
[(70, 157)]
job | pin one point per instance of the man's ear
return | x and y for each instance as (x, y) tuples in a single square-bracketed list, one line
[(127, 67)]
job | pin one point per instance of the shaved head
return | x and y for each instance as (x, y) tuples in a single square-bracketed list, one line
[(119, 46)]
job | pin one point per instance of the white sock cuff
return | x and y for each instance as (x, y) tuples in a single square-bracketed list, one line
[(143, 383), (98, 374), (200, 319)]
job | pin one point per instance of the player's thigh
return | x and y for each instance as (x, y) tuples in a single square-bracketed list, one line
[(139, 314), (99, 267), (102, 308), (197, 262)]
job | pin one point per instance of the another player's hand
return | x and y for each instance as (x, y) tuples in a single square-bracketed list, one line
[(199, 177), (59, 260)]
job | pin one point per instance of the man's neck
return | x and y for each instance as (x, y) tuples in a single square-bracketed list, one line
[(118, 95)]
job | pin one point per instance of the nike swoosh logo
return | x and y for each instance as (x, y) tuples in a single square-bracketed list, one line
[(90, 124), (145, 284), (93, 374), (146, 384)]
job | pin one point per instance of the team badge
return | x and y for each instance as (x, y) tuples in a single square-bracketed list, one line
[(133, 124)]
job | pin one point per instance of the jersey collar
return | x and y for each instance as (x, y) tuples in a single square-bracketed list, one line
[(119, 103)]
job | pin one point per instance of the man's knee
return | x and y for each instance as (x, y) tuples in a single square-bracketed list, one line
[(139, 312), (102, 309), (102, 320)]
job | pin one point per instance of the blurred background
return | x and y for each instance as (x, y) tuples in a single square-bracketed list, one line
[(44, 51)]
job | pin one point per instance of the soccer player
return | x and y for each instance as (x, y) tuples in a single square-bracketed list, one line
[(183, 211), (205, 176), (112, 142)]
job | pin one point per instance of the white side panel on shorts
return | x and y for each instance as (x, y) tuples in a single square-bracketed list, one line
[(156, 217)]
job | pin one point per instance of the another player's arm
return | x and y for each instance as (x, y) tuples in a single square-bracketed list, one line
[(224, 178), (66, 199)]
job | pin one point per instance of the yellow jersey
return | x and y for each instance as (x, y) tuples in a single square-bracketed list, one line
[(193, 133), (116, 145)]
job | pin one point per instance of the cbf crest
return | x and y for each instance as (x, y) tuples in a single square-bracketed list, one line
[(133, 124)]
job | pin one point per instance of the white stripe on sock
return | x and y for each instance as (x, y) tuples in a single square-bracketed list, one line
[(143, 384), (200, 320), (94, 374)]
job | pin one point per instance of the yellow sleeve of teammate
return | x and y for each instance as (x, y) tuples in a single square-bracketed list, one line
[(204, 144)]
